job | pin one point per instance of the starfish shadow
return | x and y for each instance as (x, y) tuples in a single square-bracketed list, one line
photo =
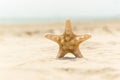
[(72, 58), (68, 58)]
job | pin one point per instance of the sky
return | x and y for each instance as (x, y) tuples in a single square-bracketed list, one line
[(59, 8)]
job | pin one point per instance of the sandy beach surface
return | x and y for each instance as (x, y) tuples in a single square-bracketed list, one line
[(26, 55)]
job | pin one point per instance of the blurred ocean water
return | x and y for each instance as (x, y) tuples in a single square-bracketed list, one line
[(53, 19)]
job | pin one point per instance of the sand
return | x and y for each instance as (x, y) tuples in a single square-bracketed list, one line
[(26, 55)]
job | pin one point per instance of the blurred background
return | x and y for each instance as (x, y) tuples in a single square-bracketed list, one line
[(25, 54), (58, 10), (41, 16)]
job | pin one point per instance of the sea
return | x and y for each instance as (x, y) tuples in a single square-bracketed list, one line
[(52, 19)]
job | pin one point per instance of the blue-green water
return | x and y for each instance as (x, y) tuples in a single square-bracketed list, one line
[(41, 20)]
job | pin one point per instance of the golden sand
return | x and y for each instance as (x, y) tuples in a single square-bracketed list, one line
[(26, 55)]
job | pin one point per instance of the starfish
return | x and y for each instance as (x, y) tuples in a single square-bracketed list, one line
[(68, 42)]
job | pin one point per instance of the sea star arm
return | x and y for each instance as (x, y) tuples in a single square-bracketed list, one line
[(68, 28), (81, 38), (52, 37), (61, 53), (77, 53)]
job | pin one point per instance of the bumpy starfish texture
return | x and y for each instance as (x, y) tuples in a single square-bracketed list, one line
[(68, 41)]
